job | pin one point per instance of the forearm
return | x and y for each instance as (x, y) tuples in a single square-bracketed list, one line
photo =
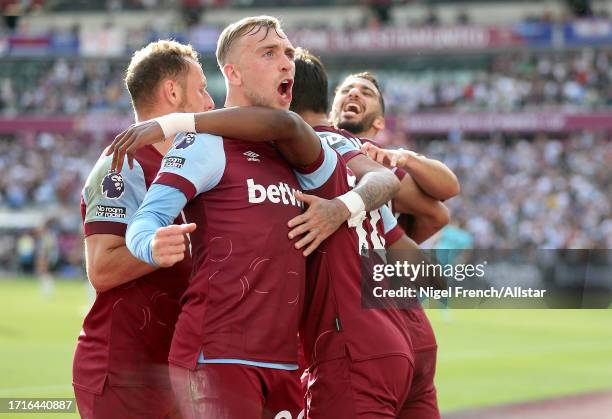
[(432, 176), (377, 188), (255, 124), (422, 229), (108, 268), (430, 215), (295, 139), (160, 207), (139, 236)]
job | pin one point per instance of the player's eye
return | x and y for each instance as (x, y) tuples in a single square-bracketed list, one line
[(268, 54)]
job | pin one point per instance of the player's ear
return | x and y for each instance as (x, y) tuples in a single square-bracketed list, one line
[(232, 74), (171, 91), (379, 123)]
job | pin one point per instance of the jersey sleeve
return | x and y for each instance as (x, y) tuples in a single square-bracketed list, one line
[(319, 173), (393, 232), (110, 199), (346, 147), (194, 164), (161, 205)]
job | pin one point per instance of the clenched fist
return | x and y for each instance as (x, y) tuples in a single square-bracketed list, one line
[(169, 244)]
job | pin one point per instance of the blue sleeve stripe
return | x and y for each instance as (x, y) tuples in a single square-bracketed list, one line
[(286, 367), (389, 221)]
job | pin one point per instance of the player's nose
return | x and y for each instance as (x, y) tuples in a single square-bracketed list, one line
[(354, 93), (209, 103), (286, 64)]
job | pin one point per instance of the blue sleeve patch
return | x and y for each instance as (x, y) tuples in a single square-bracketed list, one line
[(340, 143), (198, 158), (112, 196)]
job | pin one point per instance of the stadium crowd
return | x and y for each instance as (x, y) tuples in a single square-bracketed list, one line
[(569, 81), (545, 193), (542, 192)]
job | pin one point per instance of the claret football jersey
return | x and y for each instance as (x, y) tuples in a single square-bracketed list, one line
[(334, 323), (127, 333), (421, 332), (246, 293)]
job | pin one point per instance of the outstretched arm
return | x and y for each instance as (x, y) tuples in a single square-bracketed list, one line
[(432, 176), (295, 139), (377, 185)]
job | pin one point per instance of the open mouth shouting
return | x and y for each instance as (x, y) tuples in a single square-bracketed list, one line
[(352, 109), (284, 89)]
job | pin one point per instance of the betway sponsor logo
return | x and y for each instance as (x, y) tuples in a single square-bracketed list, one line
[(276, 194)]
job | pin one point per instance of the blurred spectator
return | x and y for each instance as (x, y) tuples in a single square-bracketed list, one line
[(25, 253), (572, 81), (47, 256), (463, 18), (432, 18)]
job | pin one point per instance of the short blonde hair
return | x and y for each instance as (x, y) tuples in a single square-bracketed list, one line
[(236, 30), (153, 63)]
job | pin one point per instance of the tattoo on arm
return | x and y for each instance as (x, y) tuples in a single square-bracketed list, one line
[(376, 189)]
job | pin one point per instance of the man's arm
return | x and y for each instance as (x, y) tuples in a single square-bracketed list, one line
[(296, 140), (432, 176), (430, 215), (109, 263), (376, 184), (109, 200), (150, 237)]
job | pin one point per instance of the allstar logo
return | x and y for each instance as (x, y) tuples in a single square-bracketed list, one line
[(251, 156)]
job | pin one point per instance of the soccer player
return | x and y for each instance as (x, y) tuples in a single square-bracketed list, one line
[(360, 360), (231, 355), (359, 107), (120, 365), (46, 253)]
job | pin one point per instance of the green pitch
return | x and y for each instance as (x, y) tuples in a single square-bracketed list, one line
[(486, 357)]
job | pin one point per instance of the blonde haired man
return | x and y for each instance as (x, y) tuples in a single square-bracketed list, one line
[(120, 365)]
